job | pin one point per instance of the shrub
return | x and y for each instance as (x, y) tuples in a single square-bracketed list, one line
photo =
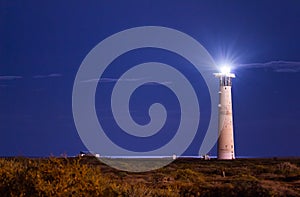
[(287, 168)]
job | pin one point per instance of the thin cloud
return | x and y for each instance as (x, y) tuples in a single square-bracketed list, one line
[(55, 75), (161, 83), (112, 80), (102, 80), (90, 80), (47, 76), (276, 66), (8, 77)]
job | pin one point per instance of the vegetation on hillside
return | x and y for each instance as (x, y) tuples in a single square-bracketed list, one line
[(185, 177)]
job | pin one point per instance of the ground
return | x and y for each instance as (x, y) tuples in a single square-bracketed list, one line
[(86, 176)]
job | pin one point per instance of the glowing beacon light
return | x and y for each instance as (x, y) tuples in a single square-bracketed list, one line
[(225, 70), (225, 141)]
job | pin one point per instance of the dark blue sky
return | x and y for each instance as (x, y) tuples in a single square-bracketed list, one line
[(42, 45)]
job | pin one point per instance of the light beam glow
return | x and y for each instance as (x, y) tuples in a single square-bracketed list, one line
[(225, 69)]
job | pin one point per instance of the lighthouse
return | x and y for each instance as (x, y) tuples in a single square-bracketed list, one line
[(226, 137)]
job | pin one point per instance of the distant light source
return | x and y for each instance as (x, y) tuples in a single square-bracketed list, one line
[(225, 70)]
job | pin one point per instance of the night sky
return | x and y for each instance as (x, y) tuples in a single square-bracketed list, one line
[(42, 45)]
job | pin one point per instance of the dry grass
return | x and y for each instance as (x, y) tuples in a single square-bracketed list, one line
[(184, 177)]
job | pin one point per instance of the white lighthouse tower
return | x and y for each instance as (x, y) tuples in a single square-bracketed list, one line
[(226, 141)]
